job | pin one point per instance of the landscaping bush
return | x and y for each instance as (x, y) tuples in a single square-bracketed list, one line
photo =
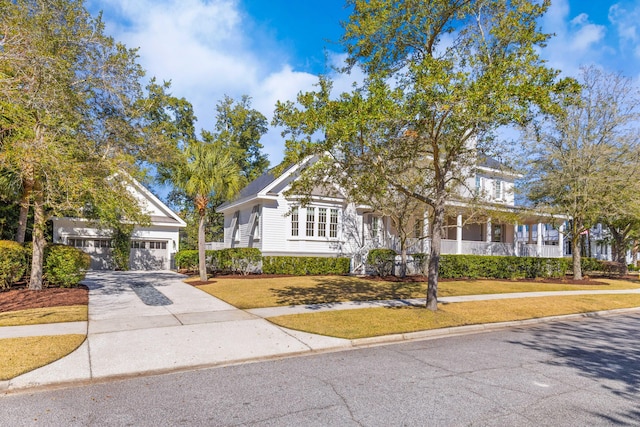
[(381, 260), (301, 266), (501, 267), (236, 260), (13, 263), (187, 259), (592, 264), (64, 266)]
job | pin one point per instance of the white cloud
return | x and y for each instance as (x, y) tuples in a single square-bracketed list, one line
[(625, 21), (204, 48), (577, 41)]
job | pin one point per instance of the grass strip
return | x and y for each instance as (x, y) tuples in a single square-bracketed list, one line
[(20, 355), (369, 322), (296, 290), (35, 316)]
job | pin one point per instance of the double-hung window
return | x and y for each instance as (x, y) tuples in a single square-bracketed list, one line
[(498, 190), (322, 222), (333, 223), (311, 221), (295, 222)]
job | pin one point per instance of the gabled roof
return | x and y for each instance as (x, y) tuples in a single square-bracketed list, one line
[(265, 185), (169, 218)]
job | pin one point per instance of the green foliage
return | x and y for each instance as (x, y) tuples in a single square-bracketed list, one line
[(65, 266), (188, 259), (382, 261), (501, 267), (301, 266), (121, 240), (591, 264), (236, 260), (13, 262)]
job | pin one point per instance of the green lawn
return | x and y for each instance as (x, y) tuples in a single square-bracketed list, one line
[(282, 291), (369, 322)]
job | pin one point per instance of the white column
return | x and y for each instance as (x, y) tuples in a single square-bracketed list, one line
[(425, 232), (488, 233), (539, 239), (561, 231), (515, 239), (459, 234)]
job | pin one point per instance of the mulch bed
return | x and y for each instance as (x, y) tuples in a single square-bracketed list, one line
[(23, 299)]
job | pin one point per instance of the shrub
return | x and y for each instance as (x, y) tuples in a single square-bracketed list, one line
[(236, 260), (13, 262), (187, 259), (64, 266), (382, 261), (501, 267), (592, 264), (301, 266)]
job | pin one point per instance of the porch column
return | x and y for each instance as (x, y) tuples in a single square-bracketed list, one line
[(515, 239), (425, 233), (561, 231), (488, 233), (459, 234), (539, 239)]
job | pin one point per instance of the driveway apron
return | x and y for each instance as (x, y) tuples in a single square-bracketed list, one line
[(144, 322)]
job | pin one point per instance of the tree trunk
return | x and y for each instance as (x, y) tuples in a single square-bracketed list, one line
[(619, 251), (24, 212), (39, 224), (434, 257), (403, 259), (577, 268), (202, 262)]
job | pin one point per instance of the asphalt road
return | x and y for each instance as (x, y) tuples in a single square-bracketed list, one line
[(579, 373)]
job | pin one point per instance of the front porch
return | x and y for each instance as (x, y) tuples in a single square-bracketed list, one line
[(492, 238)]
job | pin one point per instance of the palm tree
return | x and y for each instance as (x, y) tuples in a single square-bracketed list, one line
[(207, 170)]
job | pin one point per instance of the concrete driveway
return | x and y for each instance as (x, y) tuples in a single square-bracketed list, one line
[(144, 322)]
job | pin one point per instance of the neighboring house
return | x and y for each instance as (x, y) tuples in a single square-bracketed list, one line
[(265, 217), (152, 248)]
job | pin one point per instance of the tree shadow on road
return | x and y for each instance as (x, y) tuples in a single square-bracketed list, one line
[(329, 290), (605, 350)]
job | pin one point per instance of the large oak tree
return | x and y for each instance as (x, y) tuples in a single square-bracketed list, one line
[(70, 116), (442, 75)]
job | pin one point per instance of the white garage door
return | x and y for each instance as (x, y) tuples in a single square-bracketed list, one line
[(148, 255), (98, 249)]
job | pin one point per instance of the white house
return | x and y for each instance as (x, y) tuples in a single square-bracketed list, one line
[(152, 248), (265, 217)]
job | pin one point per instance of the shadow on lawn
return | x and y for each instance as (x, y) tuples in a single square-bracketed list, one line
[(606, 350), (332, 290)]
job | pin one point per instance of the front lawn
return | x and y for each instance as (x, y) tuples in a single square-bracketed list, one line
[(260, 291), (369, 322)]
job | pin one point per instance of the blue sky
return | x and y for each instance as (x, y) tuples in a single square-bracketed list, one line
[(271, 50)]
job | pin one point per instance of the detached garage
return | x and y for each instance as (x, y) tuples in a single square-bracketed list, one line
[(152, 248)]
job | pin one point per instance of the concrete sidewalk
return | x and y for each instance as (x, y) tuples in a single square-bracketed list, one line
[(152, 322), (144, 322)]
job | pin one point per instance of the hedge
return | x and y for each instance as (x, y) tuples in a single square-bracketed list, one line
[(64, 266), (382, 261), (13, 262), (501, 267), (236, 260), (300, 266)]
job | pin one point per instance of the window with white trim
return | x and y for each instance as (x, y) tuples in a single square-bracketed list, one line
[(295, 221), (478, 184), (333, 223), (311, 222), (374, 226), (322, 222), (498, 190)]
